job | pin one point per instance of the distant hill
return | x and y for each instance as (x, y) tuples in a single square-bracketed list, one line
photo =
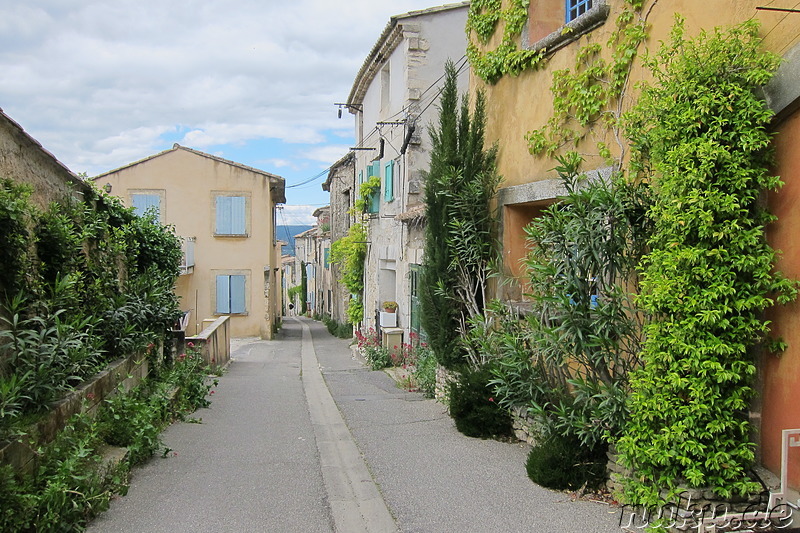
[(287, 233)]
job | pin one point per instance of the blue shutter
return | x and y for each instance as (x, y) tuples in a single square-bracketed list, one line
[(223, 215), (143, 202), (388, 193), (231, 218), (237, 215), (360, 177), (327, 254), (237, 292), (223, 295)]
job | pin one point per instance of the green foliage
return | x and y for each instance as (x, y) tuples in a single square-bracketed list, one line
[(45, 356), (369, 344), (343, 331), (366, 192), (350, 252), (15, 222), (561, 462), (700, 132), (584, 329), (473, 407), (135, 419), (303, 288), (506, 58), (424, 372), (68, 488), (459, 243), (94, 283), (583, 96)]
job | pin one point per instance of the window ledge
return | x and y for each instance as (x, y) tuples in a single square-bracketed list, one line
[(232, 235), (570, 31)]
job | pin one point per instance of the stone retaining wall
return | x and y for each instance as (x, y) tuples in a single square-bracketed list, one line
[(128, 372)]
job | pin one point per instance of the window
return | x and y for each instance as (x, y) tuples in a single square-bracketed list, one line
[(231, 215), (231, 295), (547, 20), (374, 169), (144, 201), (388, 192), (385, 89), (576, 8)]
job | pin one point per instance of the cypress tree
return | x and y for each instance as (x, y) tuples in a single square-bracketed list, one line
[(459, 242)]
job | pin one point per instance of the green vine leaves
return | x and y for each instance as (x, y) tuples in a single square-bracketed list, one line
[(507, 58), (700, 134), (584, 96)]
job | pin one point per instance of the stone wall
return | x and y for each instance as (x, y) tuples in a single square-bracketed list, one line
[(127, 372), (23, 159)]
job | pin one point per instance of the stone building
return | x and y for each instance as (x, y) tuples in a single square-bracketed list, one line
[(393, 100)]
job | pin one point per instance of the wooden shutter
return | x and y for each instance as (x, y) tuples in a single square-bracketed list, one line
[(223, 295), (237, 292), (143, 202), (238, 226), (388, 192), (231, 215), (223, 215)]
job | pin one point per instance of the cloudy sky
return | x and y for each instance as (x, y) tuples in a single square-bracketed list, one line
[(104, 83)]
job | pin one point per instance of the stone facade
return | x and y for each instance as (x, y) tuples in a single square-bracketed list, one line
[(393, 102), (23, 159)]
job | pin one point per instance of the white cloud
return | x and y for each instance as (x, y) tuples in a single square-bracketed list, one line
[(327, 154), (102, 84), (297, 215)]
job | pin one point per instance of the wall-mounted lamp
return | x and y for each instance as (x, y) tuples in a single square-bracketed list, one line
[(357, 107), (107, 188)]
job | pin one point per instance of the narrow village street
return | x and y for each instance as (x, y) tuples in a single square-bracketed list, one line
[(272, 454)]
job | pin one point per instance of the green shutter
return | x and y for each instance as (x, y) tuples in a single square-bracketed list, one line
[(388, 191)]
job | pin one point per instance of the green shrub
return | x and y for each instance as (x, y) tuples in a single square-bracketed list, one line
[(425, 371), (560, 462), (473, 407)]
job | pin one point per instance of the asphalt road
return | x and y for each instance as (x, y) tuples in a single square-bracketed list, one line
[(301, 436)]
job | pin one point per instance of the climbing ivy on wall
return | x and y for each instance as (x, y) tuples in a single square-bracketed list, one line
[(584, 96), (700, 133), (349, 253), (506, 58)]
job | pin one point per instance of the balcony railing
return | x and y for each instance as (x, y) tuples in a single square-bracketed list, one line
[(187, 261)]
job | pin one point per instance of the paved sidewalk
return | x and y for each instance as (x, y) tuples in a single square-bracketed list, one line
[(275, 454), (251, 466), (435, 479)]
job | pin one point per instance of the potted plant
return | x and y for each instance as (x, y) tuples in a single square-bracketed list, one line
[(390, 307)]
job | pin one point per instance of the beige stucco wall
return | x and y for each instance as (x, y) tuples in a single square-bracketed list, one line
[(189, 183)]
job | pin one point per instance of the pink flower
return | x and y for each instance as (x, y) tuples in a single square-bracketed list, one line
[(190, 344), (90, 396), (212, 392), (491, 399)]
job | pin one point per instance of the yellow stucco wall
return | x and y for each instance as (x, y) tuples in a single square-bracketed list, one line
[(189, 183), (517, 105)]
